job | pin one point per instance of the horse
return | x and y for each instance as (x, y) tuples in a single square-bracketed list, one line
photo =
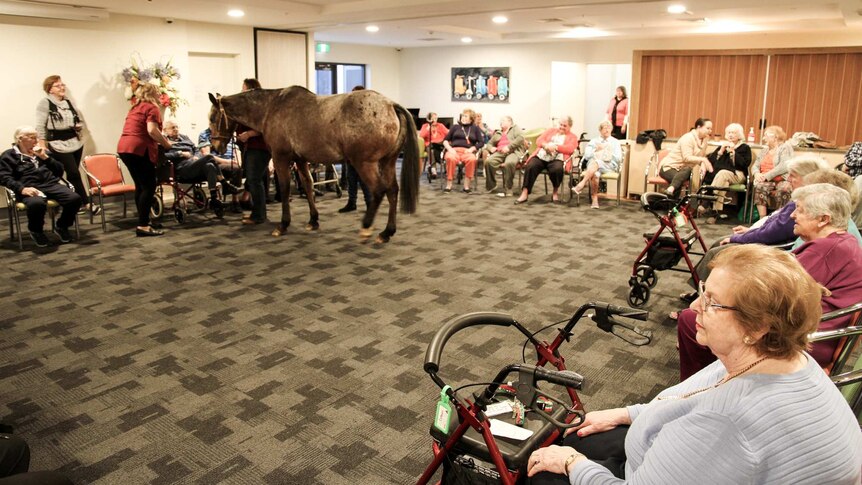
[(362, 128)]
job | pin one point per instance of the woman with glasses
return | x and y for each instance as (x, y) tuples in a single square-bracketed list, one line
[(771, 189), (59, 128), (765, 412)]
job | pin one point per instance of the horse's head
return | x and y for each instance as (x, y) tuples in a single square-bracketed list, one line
[(221, 127)]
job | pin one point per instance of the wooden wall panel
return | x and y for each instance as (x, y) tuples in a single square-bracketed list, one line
[(675, 90), (821, 93)]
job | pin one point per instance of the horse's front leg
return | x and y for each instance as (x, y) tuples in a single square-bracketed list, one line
[(305, 177), (390, 186), (282, 170)]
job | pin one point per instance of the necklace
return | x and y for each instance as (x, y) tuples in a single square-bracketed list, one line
[(722, 381)]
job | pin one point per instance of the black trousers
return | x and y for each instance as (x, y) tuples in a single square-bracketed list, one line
[(203, 168), (617, 132), (15, 461), (37, 206), (71, 162), (606, 449), (143, 172), (675, 177), (535, 166)]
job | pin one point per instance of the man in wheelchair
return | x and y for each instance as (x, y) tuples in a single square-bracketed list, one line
[(35, 177), (190, 167)]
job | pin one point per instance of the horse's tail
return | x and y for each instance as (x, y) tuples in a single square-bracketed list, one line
[(410, 164)]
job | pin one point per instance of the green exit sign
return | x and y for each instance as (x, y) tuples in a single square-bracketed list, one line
[(322, 47)]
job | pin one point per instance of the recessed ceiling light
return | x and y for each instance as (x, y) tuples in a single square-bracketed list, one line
[(499, 19), (372, 28), (676, 8), (236, 13), (466, 40)]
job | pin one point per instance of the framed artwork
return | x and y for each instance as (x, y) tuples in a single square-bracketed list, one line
[(481, 84)]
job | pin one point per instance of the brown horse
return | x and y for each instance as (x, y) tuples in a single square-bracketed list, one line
[(363, 128)]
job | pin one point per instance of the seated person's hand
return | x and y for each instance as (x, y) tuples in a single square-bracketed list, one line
[(186, 154), (30, 192), (552, 459), (758, 177), (505, 149), (601, 421), (472, 150), (724, 241), (740, 230), (706, 167)]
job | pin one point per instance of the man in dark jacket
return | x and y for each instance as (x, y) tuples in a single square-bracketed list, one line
[(35, 177)]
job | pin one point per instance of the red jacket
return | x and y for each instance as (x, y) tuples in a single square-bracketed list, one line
[(435, 136), (567, 148)]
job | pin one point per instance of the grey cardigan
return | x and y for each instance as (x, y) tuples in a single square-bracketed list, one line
[(782, 155)]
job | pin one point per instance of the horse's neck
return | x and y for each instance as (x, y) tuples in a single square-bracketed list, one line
[(249, 108)]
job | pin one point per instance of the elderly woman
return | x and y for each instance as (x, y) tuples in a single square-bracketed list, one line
[(504, 150), (730, 163), (603, 155), (462, 144), (689, 153), (139, 149), (618, 113), (58, 128), (34, 176), (830, 254), (771, 189), (552, 149), (433, 133), (747, 418)]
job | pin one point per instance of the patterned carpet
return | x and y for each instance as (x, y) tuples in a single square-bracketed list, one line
[(219, 354)]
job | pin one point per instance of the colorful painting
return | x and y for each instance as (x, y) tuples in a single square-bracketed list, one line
[(481, 84)]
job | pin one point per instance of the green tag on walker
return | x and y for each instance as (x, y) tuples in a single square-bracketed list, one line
[(679, 218), (444, 410)]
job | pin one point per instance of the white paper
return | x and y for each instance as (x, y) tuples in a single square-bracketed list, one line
[(506, 430), (499, 408)]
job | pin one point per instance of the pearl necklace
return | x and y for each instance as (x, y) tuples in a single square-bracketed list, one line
[(723, 381)]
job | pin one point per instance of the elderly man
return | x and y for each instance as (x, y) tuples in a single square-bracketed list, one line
[(35, 177), (602, 155), (505, 148), (191, 167)]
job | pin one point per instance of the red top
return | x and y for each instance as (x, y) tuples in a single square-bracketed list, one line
[(433, 134), (622, 110), (135, 138)]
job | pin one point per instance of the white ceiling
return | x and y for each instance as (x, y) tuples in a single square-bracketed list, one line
[(412, 23)]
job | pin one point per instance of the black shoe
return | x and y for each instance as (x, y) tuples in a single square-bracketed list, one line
[(216, 204), (318, 193), (156, 225), (688, 297), (40, 239), (63, 234), (228, 188), (148, 232), (466, 191), (348, 208)]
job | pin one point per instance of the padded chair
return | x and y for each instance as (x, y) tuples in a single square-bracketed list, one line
[(651, 175), (574, 178), (16, 208), (105, 179)]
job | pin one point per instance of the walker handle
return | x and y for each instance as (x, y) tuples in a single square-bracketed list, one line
[(435, 348)]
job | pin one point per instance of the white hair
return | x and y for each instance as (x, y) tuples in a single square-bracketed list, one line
[(738, 129), (22, 130), (825, 200)]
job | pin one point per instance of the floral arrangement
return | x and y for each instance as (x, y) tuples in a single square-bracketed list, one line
[(158, 74)]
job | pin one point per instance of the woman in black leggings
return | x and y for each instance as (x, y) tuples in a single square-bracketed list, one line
[(138, 148)]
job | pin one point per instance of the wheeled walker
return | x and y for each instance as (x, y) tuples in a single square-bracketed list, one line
[(667, 244), (465, 435)]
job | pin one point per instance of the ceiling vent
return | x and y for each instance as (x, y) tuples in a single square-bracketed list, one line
[(550, 21), (430, 39), (56, 11), (694, 20)]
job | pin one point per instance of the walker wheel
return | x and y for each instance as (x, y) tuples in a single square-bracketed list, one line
[(638, 295), (157, 208), (180, 215), (647, 275)]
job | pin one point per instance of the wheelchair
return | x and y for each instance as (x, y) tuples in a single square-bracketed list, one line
[(188, 195), (463, 441)]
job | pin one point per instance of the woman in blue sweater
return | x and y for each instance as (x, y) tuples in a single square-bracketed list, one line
[(764, 412)]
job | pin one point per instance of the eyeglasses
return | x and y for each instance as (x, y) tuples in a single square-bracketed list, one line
[(707, 302), (61, 85)]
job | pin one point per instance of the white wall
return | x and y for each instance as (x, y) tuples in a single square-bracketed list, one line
[(90, 57), (602, 81), (381, 66)]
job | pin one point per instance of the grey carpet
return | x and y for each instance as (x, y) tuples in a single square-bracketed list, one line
[(219, 354)]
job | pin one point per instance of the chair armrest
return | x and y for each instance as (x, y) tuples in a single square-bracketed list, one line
[(91, 176)]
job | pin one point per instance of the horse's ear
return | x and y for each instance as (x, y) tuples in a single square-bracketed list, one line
[(213, 99)]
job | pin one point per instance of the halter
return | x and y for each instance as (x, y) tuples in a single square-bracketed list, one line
[(222, 119)]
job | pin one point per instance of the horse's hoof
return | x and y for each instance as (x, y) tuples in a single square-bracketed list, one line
[(364, 234), (277, 232), (381, 240), (311, 227)]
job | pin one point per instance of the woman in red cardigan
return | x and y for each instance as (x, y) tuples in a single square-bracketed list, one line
[(139, 151), (552, 149), (618, 113)]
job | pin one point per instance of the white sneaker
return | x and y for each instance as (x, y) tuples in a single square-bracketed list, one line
[(501, 194)]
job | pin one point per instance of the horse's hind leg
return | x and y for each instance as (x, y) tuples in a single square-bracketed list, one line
[(369, 176), (391, 189), (282, 169), (305, 177)]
